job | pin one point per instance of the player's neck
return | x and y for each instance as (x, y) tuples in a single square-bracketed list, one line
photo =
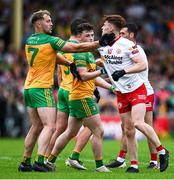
[(117, 35), (37, 31)]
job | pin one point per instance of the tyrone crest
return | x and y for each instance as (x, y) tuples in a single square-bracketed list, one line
[(118, 51)]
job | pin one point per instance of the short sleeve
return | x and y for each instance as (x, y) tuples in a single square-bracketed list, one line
[(57, 43), (133, 51)]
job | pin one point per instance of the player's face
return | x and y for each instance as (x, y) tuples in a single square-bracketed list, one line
[(47, 24), (107, 28), (87, 36), (124, 33)]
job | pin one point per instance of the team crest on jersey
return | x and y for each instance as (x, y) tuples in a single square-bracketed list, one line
[(118, 51), (110, 50)]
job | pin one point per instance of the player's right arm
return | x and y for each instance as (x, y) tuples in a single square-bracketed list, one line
[(59, 44), (82, 47), (105, 40)]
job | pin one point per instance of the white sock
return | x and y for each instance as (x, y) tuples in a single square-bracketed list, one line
[(134, 166), (163, 151), (120, 159), (155, 162)]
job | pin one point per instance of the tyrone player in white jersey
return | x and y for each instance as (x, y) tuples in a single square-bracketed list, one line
[(130, 31), (123, 62)]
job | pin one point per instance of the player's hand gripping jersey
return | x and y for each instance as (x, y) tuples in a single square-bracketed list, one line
[(83, 89)]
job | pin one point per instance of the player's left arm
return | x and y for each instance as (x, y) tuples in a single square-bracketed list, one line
[(138, 66), (104, 84)]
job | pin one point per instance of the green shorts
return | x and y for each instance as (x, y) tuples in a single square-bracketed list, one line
[(83, 108), (39, 97), (63, 100)]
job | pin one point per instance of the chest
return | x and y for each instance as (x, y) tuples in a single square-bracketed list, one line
[(116, 55)]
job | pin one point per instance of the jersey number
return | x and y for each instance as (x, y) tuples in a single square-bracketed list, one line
[(34, 53)]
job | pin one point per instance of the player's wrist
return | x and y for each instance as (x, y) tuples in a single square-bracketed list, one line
[(124, 71), (112, 88), (103, 71)]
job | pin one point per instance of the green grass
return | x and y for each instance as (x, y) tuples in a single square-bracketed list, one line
[(11, 154)]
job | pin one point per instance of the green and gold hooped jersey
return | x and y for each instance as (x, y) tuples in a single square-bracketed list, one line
[(83, 89), (41, 50)]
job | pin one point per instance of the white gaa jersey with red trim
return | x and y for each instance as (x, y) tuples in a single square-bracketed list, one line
[(118, 57), (144, 74)]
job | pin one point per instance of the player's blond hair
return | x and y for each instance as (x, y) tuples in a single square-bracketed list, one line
[(116, 20), (39, 15)]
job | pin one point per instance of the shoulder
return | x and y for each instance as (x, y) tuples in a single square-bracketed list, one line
[(80, 56), (126, 42), (51, 38), (140, 47), (100, 49), (141, 50)]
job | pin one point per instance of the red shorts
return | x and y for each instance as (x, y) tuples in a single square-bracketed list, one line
[(149, 103), (127, 100)]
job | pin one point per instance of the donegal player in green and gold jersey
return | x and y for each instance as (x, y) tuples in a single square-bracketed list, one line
[(65, 80), (82, 107), (41, 52)]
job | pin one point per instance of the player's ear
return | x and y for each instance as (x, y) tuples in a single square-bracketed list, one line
[(38, 23), (131, 35)]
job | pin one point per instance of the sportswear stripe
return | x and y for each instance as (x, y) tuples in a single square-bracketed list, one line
[(86, 107), (48, 97)]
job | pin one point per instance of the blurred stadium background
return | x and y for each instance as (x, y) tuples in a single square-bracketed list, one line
[(156, 23)]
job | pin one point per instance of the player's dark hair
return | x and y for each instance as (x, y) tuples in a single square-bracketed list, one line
[(84, 27), (75, 23), (132, 28), (38, 15), (116, 20)]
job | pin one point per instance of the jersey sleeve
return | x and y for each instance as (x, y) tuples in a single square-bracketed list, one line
[(57, 43), (133, 50), (80, 59)]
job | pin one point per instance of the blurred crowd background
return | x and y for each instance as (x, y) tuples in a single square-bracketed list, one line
[(155, 20)]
